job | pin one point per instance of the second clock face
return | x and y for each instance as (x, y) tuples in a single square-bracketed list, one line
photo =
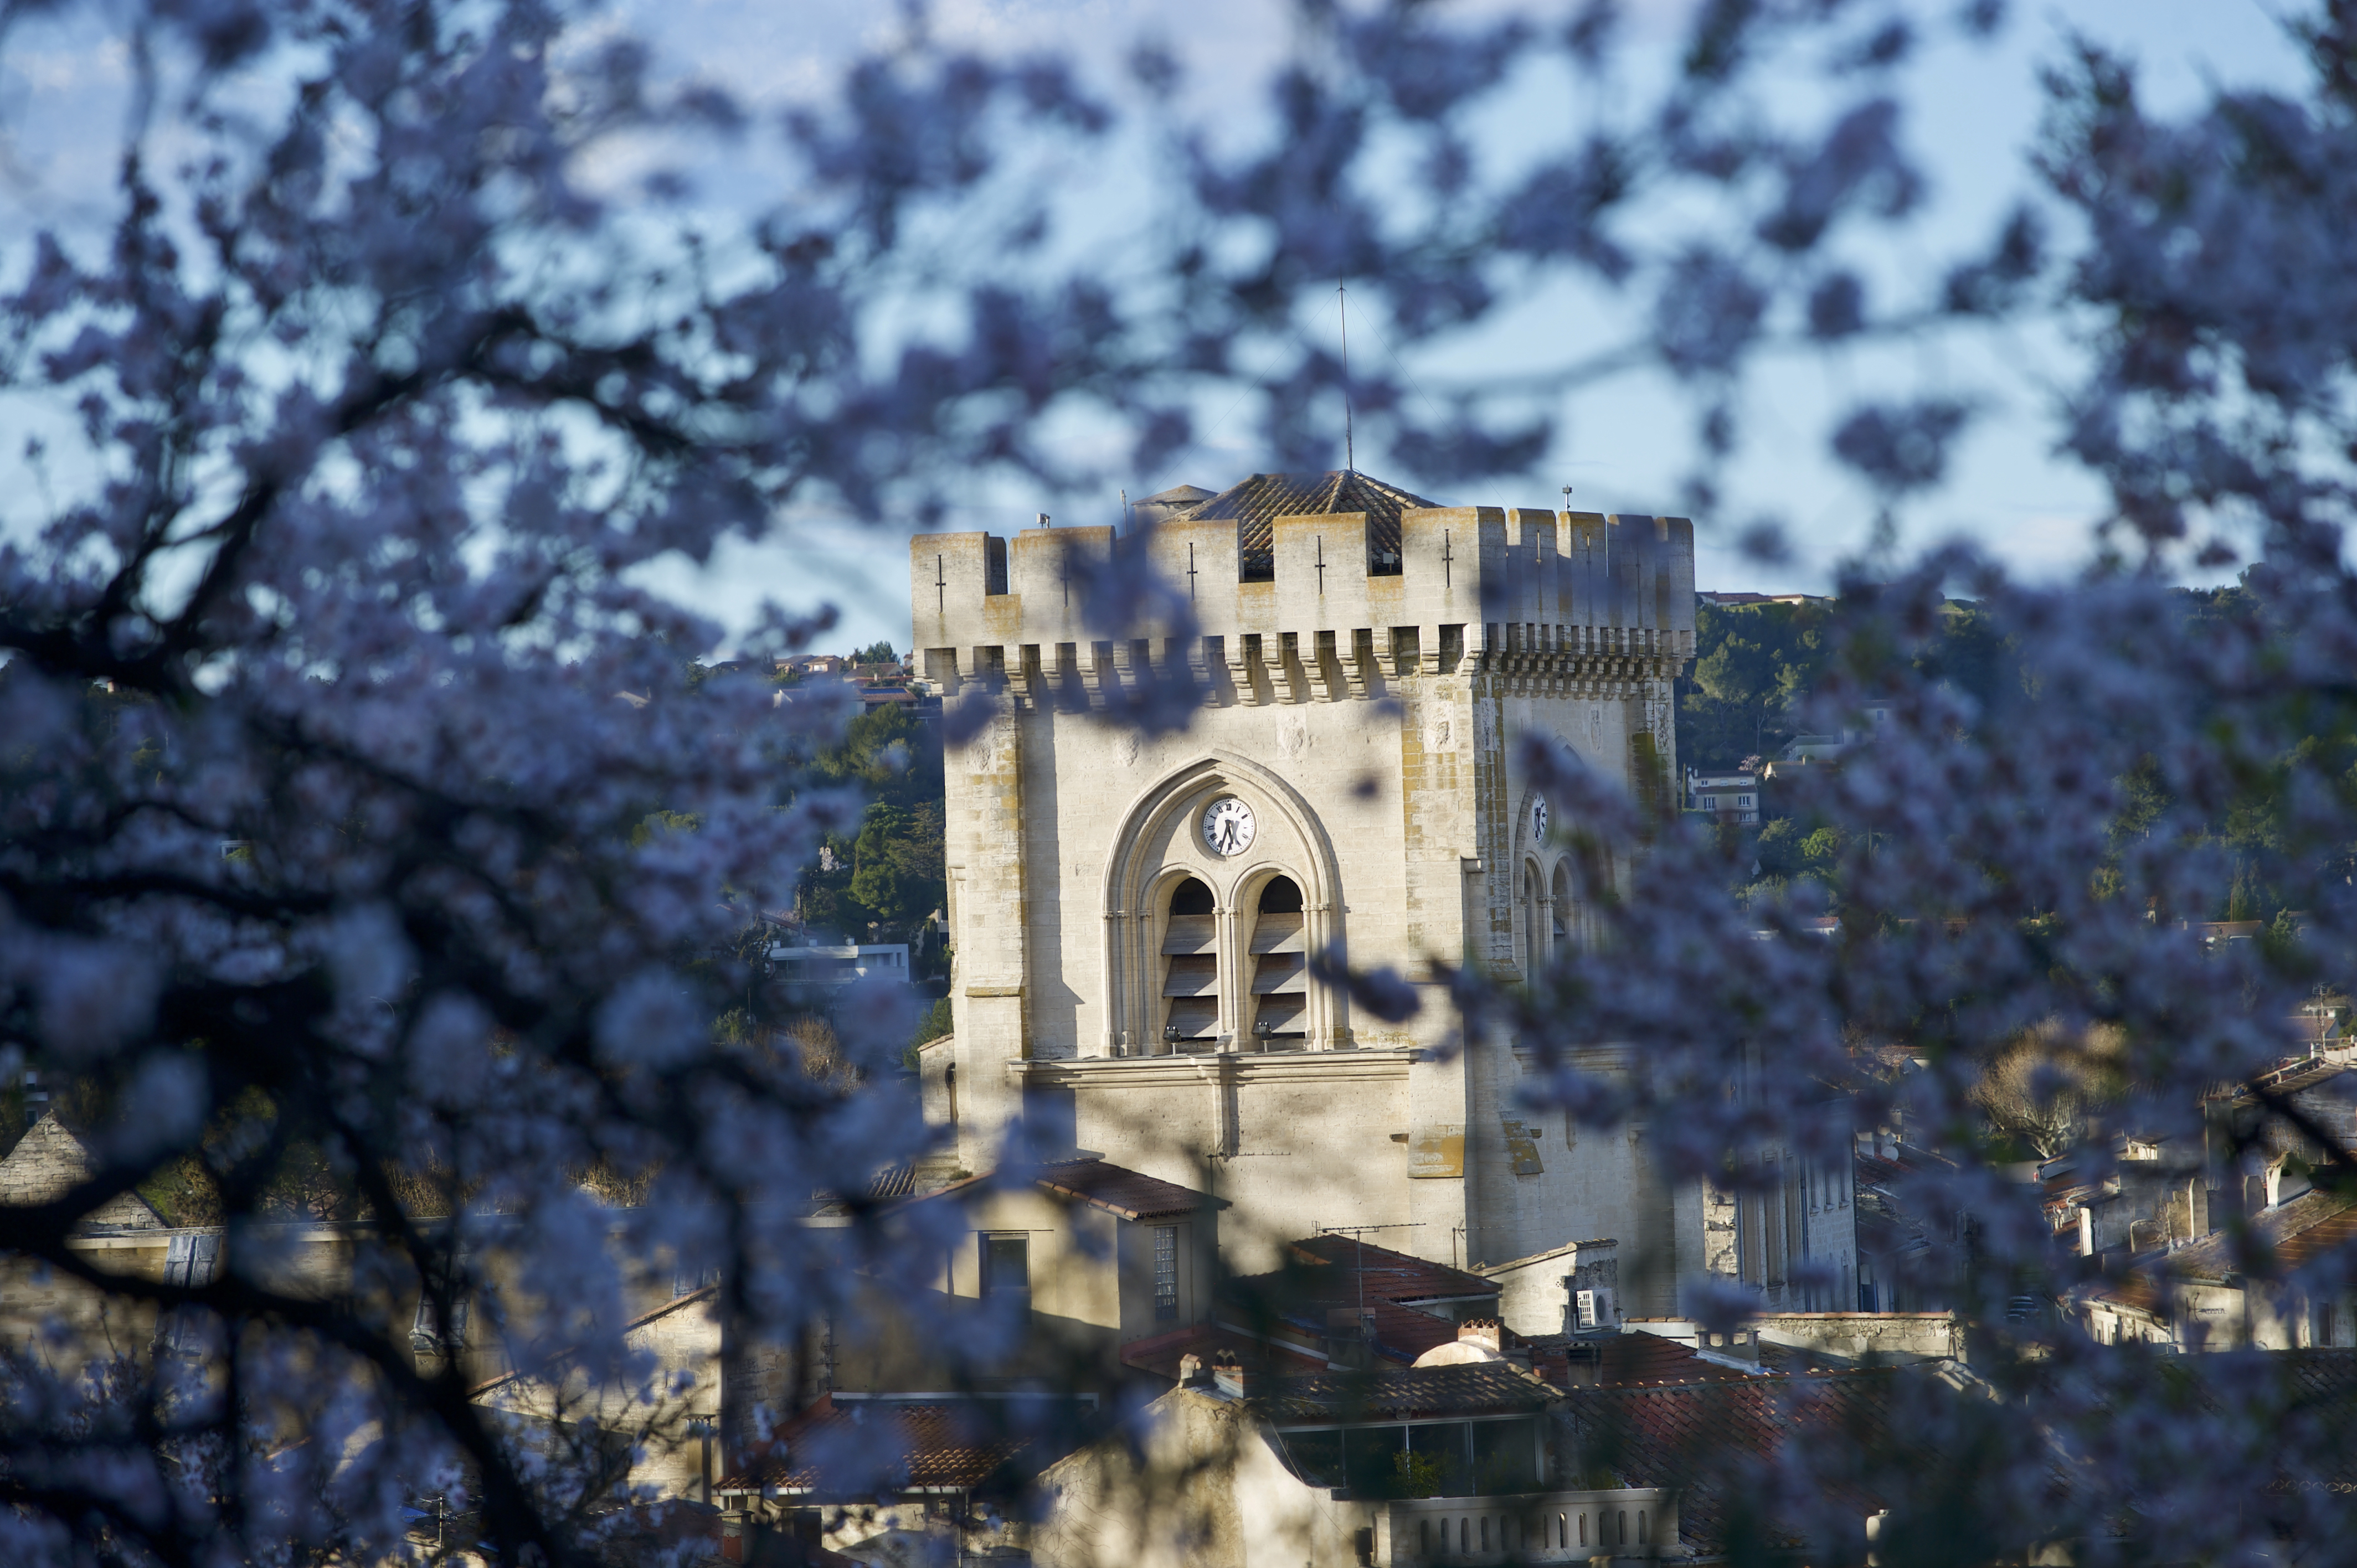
[(1227, 826)]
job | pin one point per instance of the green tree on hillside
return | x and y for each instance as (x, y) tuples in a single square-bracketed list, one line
[(1751, 665), (890, 872)]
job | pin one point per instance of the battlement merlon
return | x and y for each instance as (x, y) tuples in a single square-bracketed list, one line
[(1481, 581)]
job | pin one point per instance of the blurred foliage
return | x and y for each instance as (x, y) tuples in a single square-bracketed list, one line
[(1757, 666)]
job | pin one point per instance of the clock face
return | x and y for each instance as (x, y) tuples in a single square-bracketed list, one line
[(1227, 826), (1539, 818)]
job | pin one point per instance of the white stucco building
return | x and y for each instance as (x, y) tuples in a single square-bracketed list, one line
[(1133, 915)]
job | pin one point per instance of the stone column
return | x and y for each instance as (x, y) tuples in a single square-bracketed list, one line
[(987, 856)]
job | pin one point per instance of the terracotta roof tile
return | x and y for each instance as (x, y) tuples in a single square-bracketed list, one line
[(1127, 1192), (1160, 1355), (1393, 1276), (1329, 1273), (1633, 1360), (1257, 502), (858, 1448), (1712, 1441), (1482, 1387), (1130, 1193)]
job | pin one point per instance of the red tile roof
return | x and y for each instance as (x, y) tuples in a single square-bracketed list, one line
[(1393, 1276), (1479, 1388), (1324, 1274), (1161, 1354), (1130, 1193), (1640, 1360), (1715, 1443), (1125, 1192), (857, 1449)]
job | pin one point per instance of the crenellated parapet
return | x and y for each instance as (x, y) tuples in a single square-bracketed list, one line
[(1322, 608)]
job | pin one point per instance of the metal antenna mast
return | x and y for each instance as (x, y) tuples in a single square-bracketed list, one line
[(1350, 448)]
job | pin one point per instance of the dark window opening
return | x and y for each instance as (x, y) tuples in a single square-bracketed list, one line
[(1006, 1265), (1165, 1273), (1190, 969)]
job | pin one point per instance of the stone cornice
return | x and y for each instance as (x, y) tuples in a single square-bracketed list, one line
[(1108, 1072)]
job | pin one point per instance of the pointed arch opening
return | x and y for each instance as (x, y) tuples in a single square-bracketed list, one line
[(1158, 846), (1280, 961), (1534, 920), (1191, 968)]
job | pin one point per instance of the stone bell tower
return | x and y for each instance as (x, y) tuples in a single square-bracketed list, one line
[(1132, 915)]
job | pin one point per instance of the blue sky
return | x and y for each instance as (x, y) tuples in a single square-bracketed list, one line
[(1622, 445)]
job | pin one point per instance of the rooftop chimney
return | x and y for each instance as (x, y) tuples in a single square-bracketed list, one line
[(1486, 1332), (1190, 1371), (1231, 1381)]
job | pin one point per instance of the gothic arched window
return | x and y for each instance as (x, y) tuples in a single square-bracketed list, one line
[(1560, 912), (1280, 982), (1533, 930), (1190, 972)]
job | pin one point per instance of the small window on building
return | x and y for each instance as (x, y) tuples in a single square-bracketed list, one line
[(1165, 1273), (1641, 1527), (1006, 1265), (1624, 1527), (1582, 1530)]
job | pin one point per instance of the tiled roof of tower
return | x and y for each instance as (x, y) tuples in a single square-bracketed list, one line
[(1257, 502), (1170, 503)]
